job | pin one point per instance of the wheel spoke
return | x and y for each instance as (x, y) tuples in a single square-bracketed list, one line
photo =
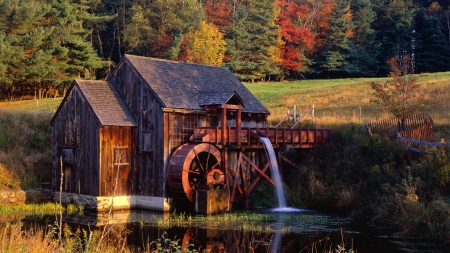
[(217, 163), (190, 189), (199, 162), (193, 172), (207, 159)]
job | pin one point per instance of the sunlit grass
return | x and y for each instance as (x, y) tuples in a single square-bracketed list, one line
[(340, 101), (40, 105), (40, 209)]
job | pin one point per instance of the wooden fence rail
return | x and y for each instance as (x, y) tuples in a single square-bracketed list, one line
[(412, 144)]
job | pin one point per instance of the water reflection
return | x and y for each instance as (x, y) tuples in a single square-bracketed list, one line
[(288, 231)]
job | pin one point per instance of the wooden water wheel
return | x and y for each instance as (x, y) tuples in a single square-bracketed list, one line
[(191, 167)]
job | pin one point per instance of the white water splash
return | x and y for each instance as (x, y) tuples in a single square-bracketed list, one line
[(276, 177)]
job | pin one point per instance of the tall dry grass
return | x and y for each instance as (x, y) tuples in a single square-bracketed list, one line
[(24, 138)]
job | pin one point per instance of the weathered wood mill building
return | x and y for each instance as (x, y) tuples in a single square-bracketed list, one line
[(157, 132)]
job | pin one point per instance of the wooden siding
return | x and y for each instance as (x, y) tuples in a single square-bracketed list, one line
[(117, 156), (76, 128), (147, 109)]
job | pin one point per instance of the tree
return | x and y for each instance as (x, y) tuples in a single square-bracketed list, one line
[(69, 31), (393, 25), (397, 93), (218, 13), (207, 45), (432, 51), (365, 49), (296, 36), (253, 40), (334, 54)]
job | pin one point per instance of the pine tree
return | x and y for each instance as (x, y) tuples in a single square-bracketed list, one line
[(28, 54), (69, 32), (393, 25), (334, 54), (432, 51), (365, 48), (252, 41)]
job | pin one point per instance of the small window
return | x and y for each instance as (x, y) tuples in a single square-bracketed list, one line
[(148, 138), (121, 155), (68, 155)]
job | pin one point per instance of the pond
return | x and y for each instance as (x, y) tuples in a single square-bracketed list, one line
[(262, 230)]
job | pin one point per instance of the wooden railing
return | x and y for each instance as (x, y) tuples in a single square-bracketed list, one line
[(297, 138)]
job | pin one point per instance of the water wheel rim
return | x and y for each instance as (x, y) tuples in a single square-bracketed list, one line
[(189, 166)]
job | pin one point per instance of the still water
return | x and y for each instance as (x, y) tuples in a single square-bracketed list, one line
[(265, 230)]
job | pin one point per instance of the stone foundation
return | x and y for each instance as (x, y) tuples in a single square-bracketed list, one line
[(102, 203), (21, 197), (37, 196)]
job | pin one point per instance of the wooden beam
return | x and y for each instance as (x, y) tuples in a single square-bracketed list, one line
[(257, 179), (238, 127), (225, 106), (224, 124), (257, 169)]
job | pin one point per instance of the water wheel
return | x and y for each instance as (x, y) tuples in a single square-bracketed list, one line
[(189, 168)]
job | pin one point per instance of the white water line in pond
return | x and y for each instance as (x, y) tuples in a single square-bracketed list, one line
[(276, 177)]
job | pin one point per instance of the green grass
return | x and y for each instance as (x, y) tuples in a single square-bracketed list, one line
[(340, 101)]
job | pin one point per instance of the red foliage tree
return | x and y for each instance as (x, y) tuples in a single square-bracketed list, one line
[(296, 37), (161, 45), (218, 13)]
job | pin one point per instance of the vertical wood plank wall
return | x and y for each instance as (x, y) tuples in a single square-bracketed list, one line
[(146, 108), (77, 127)]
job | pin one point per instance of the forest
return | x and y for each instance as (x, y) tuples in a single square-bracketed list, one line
[(45, 44)]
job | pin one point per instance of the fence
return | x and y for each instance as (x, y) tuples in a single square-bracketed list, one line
[(417, 127)]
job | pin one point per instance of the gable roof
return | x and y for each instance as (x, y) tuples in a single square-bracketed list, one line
[(218, 97), (105, 101), (179, 85)]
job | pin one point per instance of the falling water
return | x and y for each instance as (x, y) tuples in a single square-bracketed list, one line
[(276, 177)]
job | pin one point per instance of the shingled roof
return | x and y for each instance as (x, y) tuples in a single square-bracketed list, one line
[(106, 103), (179, 85)]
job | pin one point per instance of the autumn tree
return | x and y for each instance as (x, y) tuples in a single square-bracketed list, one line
[(398, 93), (218, 13), (296, 36), (206, 45)]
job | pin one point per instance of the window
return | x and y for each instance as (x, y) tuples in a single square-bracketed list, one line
[(121, 155), (181, 128)]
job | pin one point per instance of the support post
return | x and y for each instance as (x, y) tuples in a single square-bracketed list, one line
[(238, 127)]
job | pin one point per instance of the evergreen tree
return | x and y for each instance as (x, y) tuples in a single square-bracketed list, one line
[(393, 25), (334, 54), (365, 49), (252, 41), (432, 52), (69, 32), (28, 54)]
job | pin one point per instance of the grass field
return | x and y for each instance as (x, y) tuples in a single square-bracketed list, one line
[(339, 101), (336, 101)]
